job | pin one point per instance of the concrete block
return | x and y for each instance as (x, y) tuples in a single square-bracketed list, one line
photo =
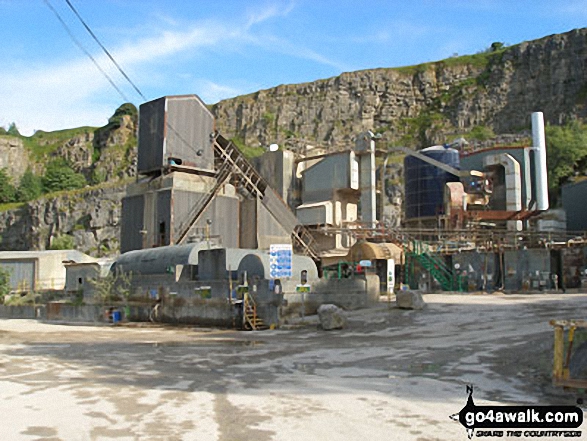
[(331, 317), (410, 300)]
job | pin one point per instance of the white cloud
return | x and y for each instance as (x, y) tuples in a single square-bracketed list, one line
[(268, 12), (212, 92), (52, 96)]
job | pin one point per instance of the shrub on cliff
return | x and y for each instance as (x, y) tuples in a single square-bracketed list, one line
[(62, 242), (60, 176), (7, 190), (30, 187), (566, 152)]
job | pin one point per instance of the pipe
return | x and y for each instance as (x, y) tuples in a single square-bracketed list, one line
[(540, 172)]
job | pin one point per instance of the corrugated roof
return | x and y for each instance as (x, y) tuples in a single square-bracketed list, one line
[(374, 251), (157, 260)]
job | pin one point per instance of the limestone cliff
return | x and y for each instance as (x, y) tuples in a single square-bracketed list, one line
[(415, 106), (91, 217), (13, 156), (422, 105)]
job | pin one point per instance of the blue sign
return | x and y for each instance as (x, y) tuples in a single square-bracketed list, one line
[(280, 261)]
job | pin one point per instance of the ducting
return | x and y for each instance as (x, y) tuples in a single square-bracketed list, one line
[(538, 162)]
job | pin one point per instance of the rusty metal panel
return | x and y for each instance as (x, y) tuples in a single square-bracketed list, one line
[(151, 135), (248, 223), (131, 223)]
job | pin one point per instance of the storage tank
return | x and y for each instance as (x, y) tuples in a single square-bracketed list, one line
[(424, 183)]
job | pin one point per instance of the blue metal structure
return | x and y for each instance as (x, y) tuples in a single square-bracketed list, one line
[(424, 183)]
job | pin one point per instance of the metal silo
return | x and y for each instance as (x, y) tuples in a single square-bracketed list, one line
[(424, 183)]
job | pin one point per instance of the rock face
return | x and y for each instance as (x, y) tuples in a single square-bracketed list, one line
[(90, 217), (413, 106), (424, 104), (331, 317), (410, 300), (13, 156)]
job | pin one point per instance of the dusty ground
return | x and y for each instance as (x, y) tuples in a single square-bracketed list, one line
[(391, 375)]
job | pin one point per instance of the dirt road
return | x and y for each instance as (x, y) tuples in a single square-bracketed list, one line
[(391, 375)]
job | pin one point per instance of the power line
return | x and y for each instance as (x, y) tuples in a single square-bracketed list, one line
[(83, 49), (97, 40), (104, 49), (70, 33)]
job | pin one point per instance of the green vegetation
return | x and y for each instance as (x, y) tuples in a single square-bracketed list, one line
[(247, 151), (7, 190), (269, 118), (62, 242), (11, 206), (4, 283), (115, 286), (481, 133), (566, 152), (13, 130), (60, 176), (420, 129), (115, 121), (480, 60), (30, 187), (42, 144), (30, 298)]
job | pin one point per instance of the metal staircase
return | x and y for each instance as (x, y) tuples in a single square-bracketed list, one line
[(244, 176), (251, 321), (420, 253)]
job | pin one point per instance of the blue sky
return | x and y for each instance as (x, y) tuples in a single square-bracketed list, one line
[(224, 48)]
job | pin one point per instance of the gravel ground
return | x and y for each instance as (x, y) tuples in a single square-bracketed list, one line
[(390, 375)]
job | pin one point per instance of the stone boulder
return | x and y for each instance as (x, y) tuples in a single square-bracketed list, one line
[(410, 300), (331, 317)]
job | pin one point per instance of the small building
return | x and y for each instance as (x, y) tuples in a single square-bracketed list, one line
[(79, 276), (40, 270)]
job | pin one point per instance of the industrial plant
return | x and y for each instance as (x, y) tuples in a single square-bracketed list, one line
[(211, 237)]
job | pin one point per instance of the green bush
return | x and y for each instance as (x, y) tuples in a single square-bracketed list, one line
[(4, 283), (13, 130), (7, 190), (482, 133), (60, 176), (62, 242), (30, 188), (566, 152)]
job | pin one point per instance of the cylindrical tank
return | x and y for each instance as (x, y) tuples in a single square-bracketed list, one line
[(424, 183)]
